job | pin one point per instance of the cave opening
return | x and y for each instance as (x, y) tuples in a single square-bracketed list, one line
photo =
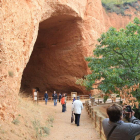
[(57, 57)]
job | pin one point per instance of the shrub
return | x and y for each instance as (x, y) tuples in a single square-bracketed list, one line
[(46, 130), (2, 131), (106, 6), (42, 131), (119, 8), (125, 4), (105, 98), (50, 119), (126, 7), (36, 125), (122, 12), (11, 74), (15, 121)]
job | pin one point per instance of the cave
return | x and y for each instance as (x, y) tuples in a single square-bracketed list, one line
[(57, 58)]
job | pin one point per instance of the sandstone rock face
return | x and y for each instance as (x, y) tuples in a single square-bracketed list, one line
[(18, 31), (57, 59), (58, 56), (57, 34)]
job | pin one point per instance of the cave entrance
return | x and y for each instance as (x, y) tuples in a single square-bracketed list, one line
[(56, 58)]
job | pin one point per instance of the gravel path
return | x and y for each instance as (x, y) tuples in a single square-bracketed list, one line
[(63, 129)]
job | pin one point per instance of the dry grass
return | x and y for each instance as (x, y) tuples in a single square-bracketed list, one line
[(30, 123), (11, 74)]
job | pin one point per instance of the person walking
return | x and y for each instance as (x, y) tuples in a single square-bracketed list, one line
[(55, 98), (65, 95), (90, 96), (60, 96), (46, 97), (63, 103), (73, 99), (77, 108), (116, 129)]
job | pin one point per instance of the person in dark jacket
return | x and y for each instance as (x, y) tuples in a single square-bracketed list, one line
[(73, 99), (55, 98), (65, 95), (46, 97), (115, 129), (60, 96)]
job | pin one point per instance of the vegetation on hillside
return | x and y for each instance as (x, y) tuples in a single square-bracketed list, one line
[(116, 62), (118, 1), (120, 6), (31, 122)]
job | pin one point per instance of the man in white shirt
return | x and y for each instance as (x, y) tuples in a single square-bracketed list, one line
[(76, 108)]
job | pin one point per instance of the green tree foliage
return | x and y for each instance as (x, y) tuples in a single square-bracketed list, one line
[(116, 60)]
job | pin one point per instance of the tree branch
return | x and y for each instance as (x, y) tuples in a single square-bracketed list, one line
[(97, 83), (137, 57), (124, 59)]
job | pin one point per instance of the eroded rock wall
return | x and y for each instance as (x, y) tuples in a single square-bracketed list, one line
[(57, 59), (62, 44), (18, 31)]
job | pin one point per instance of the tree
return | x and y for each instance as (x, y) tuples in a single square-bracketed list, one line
[(116, 61)]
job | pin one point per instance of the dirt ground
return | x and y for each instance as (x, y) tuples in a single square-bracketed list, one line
[(63, 129)]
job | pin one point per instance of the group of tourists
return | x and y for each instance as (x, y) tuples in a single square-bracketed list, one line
[(114, 127), (54, 97), (77, 105)]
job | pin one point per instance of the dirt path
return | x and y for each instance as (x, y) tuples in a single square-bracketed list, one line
[(63, 129)]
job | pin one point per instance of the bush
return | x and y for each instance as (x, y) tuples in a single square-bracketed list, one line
[(46, 130), (15, 121), (122, 12), (125, 4), (120, 7), (138, 8), (50, 119), (107, 6), (135, 13), (105, 98), (11, 74), (36, 125), (41, 131), (126, 7)]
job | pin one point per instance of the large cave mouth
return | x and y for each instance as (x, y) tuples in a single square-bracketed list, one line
[(57, 57)]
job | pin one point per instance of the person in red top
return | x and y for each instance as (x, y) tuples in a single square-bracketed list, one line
[(63, 103)]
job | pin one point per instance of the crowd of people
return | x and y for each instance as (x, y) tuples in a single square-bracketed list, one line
[(77, 105), (114, 127)]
